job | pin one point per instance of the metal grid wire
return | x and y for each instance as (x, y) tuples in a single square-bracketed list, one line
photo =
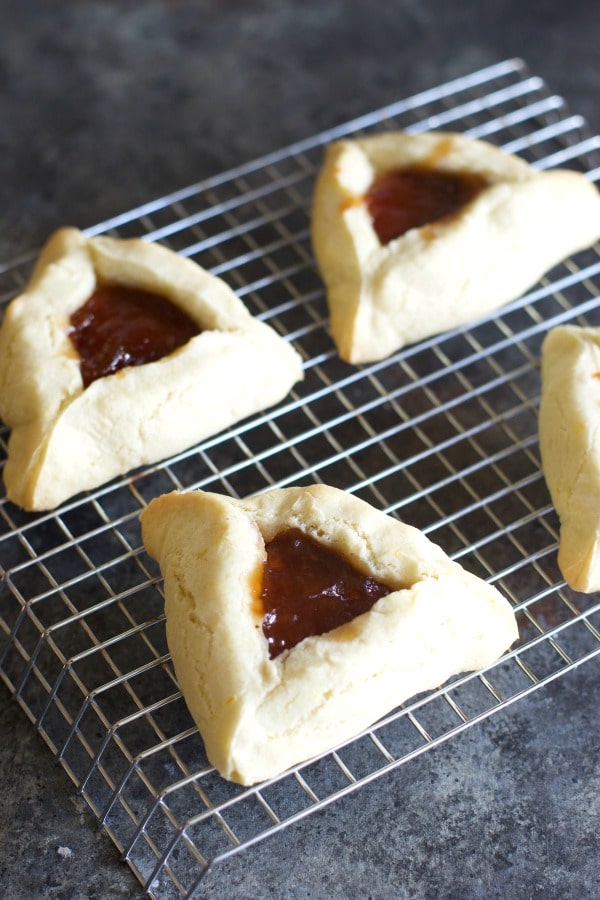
[(442, 434)]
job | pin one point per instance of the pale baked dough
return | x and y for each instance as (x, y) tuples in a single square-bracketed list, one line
[(450, 273), (569, 432), (66, 439), (258, 716)]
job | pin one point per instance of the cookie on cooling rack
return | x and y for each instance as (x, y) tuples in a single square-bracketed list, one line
[(298, 617), (120, 353), (418, 233), (570, 448)]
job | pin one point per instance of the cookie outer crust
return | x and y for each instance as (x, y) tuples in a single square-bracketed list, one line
[(66, 439), (447, 273), (259, 716), (569, 433)]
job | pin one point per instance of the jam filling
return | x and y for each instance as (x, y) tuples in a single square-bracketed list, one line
[(418, 196), (120, 326), (309, 589)]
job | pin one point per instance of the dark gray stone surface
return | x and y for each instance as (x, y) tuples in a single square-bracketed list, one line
[(105, 106)]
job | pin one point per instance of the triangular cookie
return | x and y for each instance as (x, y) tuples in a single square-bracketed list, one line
[(569, 432), (67, 437), (501, 225), (261, 711)]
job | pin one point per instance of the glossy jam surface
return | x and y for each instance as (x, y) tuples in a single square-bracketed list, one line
[(120, 326), (410, 198), (309, 589)]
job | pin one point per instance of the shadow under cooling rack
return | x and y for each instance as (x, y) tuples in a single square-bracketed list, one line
[(442, 435)]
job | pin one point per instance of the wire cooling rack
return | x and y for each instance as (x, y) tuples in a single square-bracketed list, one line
[(442, 434)]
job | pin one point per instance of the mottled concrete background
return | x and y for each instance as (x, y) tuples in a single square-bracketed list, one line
[(106, 105)]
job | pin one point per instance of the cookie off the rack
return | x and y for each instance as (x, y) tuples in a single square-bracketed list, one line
[(120, 353), (415, 234), (298, 617)]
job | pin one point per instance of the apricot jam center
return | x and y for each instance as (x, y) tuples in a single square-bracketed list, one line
[(120, 326), (309, 589), (410, 198)]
